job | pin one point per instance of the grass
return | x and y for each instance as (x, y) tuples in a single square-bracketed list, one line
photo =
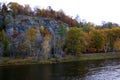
[(95, 56), (68, 58)]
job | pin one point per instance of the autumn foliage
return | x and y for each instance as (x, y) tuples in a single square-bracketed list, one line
[(78, 38), (96, 41), (17, 8)]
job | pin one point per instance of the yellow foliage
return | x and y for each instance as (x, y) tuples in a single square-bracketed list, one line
[(117, 45), (97, 40), (46, 33), (31, 35), (41, 29)]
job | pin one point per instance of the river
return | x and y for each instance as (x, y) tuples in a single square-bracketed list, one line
[(84, 70)]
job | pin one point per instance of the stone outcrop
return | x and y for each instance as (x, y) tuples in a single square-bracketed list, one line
[(16, 28)]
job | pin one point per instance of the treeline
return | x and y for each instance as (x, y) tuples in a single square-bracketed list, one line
[(17, 8), (94, 41)]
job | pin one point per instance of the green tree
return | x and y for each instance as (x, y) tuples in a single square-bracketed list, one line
[(86, 28), (4, 41), (41, 29), (74, 41), (62, 33), (15, 12), (3, 24), (62, 30)]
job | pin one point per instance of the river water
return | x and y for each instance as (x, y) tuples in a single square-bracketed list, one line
[(84, 70)]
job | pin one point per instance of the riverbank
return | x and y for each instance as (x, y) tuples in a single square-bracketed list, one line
[(96, 56)]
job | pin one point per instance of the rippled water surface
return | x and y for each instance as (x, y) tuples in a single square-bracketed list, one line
[(85, 70)]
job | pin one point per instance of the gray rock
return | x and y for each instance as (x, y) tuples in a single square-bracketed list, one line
[(22, 23)]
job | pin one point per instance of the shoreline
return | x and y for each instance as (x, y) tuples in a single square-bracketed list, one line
[(84, 57)]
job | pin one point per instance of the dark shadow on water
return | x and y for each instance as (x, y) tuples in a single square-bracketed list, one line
[(85, 70)]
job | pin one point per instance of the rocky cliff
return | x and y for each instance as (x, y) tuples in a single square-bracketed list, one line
[(45, 45)]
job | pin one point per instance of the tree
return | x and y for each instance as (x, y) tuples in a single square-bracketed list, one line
[(97, 40), (1, 49), (30, 37), (86, 38), (117, 45), (46, 47), (111, 39), (4, 23), (15, 7), (62, 31), (4, 41), (4, 9), (106, 39), (23, 48), (15, 12), (41, 29), (74, 41), (86, 28), (78, 19), (113, 35), (27, 9)]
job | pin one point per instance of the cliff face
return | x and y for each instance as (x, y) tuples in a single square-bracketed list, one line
[(22, 23), (17, 27)]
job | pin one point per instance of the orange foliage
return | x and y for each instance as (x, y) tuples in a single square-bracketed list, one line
[(46, 33), (18, 7)]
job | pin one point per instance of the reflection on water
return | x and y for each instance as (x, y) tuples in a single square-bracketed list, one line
[(85, 70)]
